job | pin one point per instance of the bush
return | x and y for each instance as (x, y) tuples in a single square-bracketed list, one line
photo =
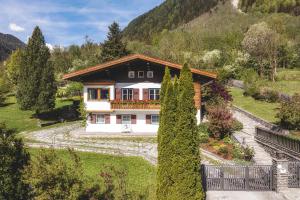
[(223, 150), (203, 138), (289, 113), (268, 95), (237, 125), (237, 152), (248, 153), (227, 140), (219, 120), (251, 83)]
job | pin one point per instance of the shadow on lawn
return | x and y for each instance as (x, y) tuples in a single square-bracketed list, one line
[(67, 113)]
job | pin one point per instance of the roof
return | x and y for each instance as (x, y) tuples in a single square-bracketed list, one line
[(109, 64)]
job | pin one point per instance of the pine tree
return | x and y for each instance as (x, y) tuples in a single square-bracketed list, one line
[(113, 47), (186, 159), (36, 87), (165, 138)]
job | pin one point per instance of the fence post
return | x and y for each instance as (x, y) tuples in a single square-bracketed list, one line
[(247, 178), (281, 175), (222, 177)]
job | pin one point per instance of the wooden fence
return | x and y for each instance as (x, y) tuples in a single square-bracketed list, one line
[(237, 178), (277, 140)]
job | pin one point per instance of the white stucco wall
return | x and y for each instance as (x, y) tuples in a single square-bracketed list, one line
[(98, 105), (140, 86)]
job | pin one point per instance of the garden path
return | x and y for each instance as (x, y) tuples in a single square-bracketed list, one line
[(73, 136), (246, 136)]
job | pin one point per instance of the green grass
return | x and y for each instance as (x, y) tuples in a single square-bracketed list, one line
[(20, 120), (288, 81), (262, 109), (140, 173)]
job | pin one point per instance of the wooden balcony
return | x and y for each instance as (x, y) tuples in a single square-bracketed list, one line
[(135, 105)]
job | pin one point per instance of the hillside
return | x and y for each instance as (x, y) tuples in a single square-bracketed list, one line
[(169, 15), (8, 43)]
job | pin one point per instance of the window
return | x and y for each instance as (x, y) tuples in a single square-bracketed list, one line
[(154, 119), (126, 119), (127, 94), (104, 93), (100, 119), (131, 74), (154, 94), (140, 74), (98, 93), (149, 74), (92, 94)]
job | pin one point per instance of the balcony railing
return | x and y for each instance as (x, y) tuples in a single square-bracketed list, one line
[(143, 105)]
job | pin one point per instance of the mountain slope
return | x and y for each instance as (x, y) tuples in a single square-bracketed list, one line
[(169, 15), (9, 43)]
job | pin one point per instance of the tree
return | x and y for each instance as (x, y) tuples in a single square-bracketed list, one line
[(61, 60), (263, 43), (13, 66), (166, 135), (164, 84), (113, 47), (36, 86), (53, 178), (13, 158), (186, 159)]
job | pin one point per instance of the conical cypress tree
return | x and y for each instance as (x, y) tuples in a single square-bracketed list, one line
[(164, 84), (113, 47), (186, 159), (36, 88), (165, 138)]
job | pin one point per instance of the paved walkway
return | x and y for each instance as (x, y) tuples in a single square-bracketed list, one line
[(290, 194), (246, 136)]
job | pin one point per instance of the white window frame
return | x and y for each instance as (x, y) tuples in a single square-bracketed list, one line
[(155, 123), (156, 93), (150, 74), (131, 74), (141, 74), (102, 121), (126, 90), (123, 121)]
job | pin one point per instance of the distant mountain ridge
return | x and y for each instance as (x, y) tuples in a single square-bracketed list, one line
[(169, 15), (9, 43)]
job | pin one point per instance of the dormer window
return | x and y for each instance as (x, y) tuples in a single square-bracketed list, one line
[(140, 74), (149, 74), (131, 74)]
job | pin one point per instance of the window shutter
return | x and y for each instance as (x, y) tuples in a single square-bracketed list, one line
[(145, 94), (136, 95), (133, 119), (118, 93), (148, 119), (119, 119), (107, 118), (93, 118)]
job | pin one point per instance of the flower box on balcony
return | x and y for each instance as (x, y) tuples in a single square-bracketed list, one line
[(140, 104)]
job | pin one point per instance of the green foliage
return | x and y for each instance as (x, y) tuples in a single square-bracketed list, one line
[(237, 125), (36, 85), (289, 113), (13, 158), (156, 20), (223, 150), (13, 66), (82, 111), (248, 153), (166, 135), (164, 84), (186, 159), (61, 60), (252, 82), (52, 178), (269, 6), (4, 86), (113, 47), (203, 133)]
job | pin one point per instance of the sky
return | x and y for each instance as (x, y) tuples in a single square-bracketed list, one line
[(66, 22)]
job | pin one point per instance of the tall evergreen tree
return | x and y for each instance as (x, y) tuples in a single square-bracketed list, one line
[(166, 136), (113, 47), (36, 85), (13, 159), (164, 84), (186, 159)]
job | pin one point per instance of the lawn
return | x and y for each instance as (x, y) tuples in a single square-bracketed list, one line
[(288, 81), (262, 109), (22, 120), (140, 173)]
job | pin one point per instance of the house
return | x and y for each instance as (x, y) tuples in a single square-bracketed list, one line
[(123, 95)]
